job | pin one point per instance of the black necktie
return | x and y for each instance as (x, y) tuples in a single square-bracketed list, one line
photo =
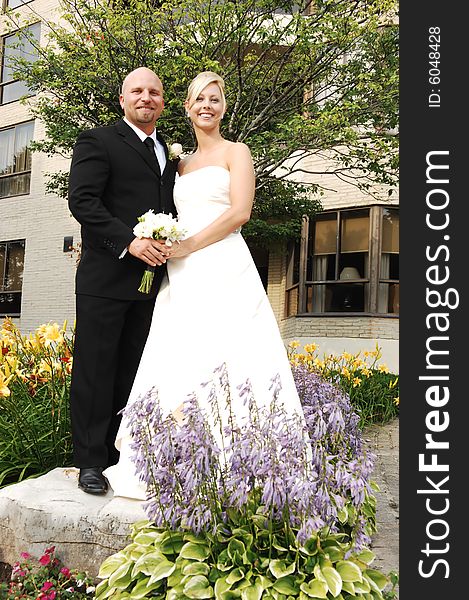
[(150, 144)]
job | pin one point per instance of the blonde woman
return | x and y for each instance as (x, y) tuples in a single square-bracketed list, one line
[(212, 309)]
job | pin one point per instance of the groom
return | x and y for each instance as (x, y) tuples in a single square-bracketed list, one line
[(116, 175)]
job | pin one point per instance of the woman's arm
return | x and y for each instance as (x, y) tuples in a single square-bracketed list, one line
[(242, 188)]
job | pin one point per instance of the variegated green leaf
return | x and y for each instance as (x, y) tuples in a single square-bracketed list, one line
[(112, 563), (333, 580), (349, 571), (198, 587), (196, 568), (377, 578), (315, 588), (279, 568), (194, 551), (286, 585), (253, 592)]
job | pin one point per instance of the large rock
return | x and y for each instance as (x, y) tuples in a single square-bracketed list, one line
[(51, 510)]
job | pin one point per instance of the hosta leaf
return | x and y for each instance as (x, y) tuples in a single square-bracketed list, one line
[(349, 587), (333, 580), (349, 571), (224, 562), (279, 568), (143, 589), (198, 587), (310, 547), (362, 586), (161, 571), (123, 582), (176, 576), (101, 589), (171, 542), (119, 572), (334, 553), (196, 568), (377, 578), (315, 588), (194, 551), (366, 556), (234, 576), (265, 582), (286, 585), (253, 592), (342, 515), (221, 585), (147, 562), (147, 538), (111, 564), (175, 593), (236, 546)]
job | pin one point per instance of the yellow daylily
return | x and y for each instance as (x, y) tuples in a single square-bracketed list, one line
[(50, 333), (4, 381), (383, 369)]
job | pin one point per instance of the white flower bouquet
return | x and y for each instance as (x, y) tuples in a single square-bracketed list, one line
[(159, 226)]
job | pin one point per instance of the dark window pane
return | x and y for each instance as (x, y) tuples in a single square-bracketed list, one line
[(17, 45), (11, 276)]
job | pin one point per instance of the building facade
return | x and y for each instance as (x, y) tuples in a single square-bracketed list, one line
[(338, 287)]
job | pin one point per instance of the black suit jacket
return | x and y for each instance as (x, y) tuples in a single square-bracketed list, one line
[(113, 181)]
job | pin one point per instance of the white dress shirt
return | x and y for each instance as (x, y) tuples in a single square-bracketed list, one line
[(159, 151)]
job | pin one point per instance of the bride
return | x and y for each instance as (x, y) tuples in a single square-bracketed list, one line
[(212, 308)]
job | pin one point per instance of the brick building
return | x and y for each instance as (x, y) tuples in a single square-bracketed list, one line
[(338, 287)]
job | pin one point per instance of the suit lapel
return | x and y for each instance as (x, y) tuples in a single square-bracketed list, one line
[(131, 138)]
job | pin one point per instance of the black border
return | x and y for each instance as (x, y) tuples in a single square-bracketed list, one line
[(426, 128)]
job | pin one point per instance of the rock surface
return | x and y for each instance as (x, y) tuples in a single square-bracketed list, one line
[(51, 510)]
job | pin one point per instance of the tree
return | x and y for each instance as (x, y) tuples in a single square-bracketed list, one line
[(302, 79)]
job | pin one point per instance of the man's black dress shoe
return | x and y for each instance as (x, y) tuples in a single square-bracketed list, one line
[(92, 481)]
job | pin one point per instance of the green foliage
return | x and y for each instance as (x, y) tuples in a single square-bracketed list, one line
[(239, 560), (373, 390), (305, 84), (46, 578), (34, 405)]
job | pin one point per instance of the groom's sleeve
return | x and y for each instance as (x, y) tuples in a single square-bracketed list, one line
[(89, 174)]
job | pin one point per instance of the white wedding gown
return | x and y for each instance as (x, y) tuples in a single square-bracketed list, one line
[(211, 309)]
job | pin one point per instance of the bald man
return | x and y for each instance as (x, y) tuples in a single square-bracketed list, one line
[(115, 177)]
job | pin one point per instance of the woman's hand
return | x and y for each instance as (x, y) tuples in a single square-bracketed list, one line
[(181, 249)]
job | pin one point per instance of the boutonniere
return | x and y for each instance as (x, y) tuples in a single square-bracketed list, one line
[(175, 151)]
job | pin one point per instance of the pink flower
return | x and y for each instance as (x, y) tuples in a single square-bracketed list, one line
[(51, 595), (50, 550), (44, 560), (25, 555), (65, 571), (47, 585)]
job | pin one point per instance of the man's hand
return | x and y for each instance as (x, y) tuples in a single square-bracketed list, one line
[(152, 252)]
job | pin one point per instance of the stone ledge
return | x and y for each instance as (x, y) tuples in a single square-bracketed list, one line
[(51, 511)]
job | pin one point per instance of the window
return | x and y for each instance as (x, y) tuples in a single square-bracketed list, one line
[(388, 294), (20, 44), (11, 277), (15, 159), (14, 3), (349, 262)]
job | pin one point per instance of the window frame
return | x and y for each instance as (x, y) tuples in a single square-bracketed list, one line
[(4, 84), (373, 279), (18, 293), (22, 172)]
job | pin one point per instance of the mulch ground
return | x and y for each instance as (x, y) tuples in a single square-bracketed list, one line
[(5, 572)]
